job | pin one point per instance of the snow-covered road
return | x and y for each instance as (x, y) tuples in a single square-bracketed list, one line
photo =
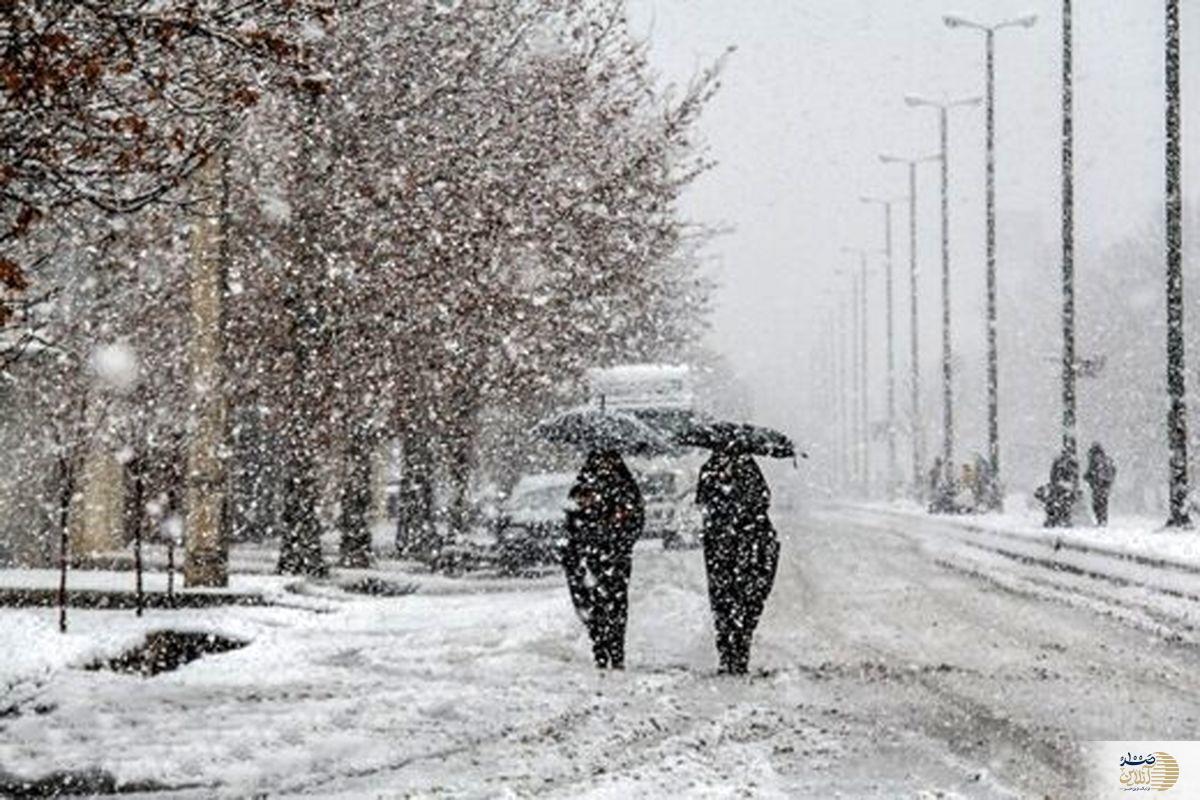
[(887, 674)]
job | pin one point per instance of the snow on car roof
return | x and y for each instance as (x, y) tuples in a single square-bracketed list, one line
[(638, 385), (640, 372)]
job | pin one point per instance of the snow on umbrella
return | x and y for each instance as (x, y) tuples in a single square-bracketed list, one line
[(738, 437), (594, 429)]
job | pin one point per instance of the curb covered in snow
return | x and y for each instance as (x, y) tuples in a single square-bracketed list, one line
[(1147, 573)]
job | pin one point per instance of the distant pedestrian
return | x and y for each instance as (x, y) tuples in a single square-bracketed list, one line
[(741, 551), (941, 489), (967, 490), (986, 493), (1061, 493), (1100, 475), (602, 527)]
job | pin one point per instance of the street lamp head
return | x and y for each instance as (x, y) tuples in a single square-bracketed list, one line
[(913, 101), (887, 158), (955, 21)]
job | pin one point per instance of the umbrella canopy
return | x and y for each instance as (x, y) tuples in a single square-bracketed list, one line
[(596, 429), (739, 437)]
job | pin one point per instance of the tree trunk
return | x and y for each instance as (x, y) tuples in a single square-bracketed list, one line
[(206, 562), (356, 498), (416, 534), (460, 467), (300, 547)]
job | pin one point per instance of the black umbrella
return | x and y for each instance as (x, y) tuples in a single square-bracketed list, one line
[(739, 437), (596, 429)]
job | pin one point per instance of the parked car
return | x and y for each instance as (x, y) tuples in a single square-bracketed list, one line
[(531, 527)]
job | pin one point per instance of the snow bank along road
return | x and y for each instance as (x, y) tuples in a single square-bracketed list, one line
[(892, 669)]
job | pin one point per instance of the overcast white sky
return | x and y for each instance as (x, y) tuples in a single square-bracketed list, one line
[(815, 92)]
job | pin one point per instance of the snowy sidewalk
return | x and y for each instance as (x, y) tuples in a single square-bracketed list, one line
[(1137, 538), (483, 689), (1133, 568)]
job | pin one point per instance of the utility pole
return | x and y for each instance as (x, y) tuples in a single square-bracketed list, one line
[(856, 389), (862, 366), (892, 470), (843, 396), (943, 108), (1069, 445), (995, 497), (863, 443), (1176, 384), (831, 399), (917, 424)]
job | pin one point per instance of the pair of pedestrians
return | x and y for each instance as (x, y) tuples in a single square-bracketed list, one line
[(741, 551), (1061, 493)]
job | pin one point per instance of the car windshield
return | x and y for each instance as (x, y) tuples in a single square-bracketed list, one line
[(547, 498)]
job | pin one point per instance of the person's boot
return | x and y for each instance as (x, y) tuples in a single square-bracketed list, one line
[(741, 656), (616, 654), (600, 651), (724, 654)]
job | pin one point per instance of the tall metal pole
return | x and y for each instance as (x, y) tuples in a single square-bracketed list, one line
[(943, 109), (1068, 241), (947, 366), (836, 401), (891, 343), (891, 362), (843, 416), (995, 498), (827, 400), (918, 426), (856, 379), (1176, 386), (862, 365)]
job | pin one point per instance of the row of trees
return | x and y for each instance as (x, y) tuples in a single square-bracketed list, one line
[(427, 215)]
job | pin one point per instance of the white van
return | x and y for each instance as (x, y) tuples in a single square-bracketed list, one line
[(662, 396)]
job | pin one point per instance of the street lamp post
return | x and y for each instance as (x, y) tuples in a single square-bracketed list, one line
[(844, 435), (1068, 240), (863, 443), (891, 352), (995, 496), (1177, 415), (943, 109), (918, 429), (853, 385)]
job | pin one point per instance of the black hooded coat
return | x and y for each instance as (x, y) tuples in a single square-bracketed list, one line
[(741, 551), (604, 522)]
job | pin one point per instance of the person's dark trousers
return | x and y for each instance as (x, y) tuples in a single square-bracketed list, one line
[(741, 572), (1100, 507), (610, 605)]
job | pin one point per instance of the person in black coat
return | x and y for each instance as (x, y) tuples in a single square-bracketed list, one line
[(1060, 495), (741, 551), (1101, 472), (603, 523)]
